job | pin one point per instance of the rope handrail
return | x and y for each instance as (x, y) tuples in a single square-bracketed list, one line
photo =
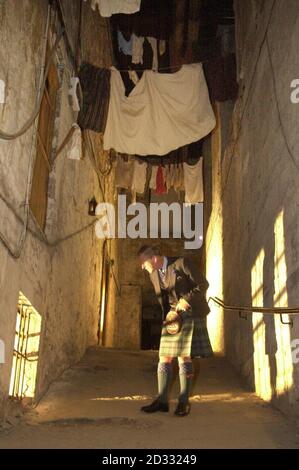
[(266, 310), (274, 310)]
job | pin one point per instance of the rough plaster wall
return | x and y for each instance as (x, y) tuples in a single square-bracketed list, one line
[(61, 281), (258, 180)]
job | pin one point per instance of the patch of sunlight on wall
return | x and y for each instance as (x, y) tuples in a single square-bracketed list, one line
[(26, 350), (284, 364), (214, 242), (262, 372), (214, 270)]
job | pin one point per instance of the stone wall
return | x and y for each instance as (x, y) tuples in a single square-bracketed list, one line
[(252, 245), (60, 276)]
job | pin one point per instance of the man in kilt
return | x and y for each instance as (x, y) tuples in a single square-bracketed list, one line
[(181, 287)]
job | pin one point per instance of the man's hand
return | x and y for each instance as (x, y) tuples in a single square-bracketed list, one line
[(182, 305)]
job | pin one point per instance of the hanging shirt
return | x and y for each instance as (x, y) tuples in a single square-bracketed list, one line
[(139, 176), (162, 113), (137, 50), (153, 180), (124, 46), (168, 177), (124, 172), (178, 180), (111, 7), (193, 181)]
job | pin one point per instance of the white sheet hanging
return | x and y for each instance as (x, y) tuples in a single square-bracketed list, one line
[(162, 113), (193, 182)]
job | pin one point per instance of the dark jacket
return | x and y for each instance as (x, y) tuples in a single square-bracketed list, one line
[(184, 279)]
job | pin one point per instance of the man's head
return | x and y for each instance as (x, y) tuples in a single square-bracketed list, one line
[(149, 258)]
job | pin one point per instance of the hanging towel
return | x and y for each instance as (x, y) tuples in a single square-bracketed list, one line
[(95, 84), (193, 181), (124, 172), (167, 176), (139, 177), (110, 7), (153, 180), (160, 186), (137, 49), (123, 45), (162, 113)]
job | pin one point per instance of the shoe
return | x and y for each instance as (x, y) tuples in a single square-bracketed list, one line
[(155, 406), (183, 409)]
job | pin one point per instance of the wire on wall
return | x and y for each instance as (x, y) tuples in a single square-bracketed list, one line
[(16, 253), (11, 136)]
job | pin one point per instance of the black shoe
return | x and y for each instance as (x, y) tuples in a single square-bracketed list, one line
[(183, 409), (155, 406)]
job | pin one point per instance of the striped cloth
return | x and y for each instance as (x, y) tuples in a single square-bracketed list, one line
[(95, 84), (193, 339)]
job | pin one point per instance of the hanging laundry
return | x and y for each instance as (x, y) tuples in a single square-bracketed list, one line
[(137, 49), (162, 113), (95, 84), (168, 176), (187, 153), (153, 179), (178, 179), (139, 177), (124, 172), (111, 7), (133, 76), (153, 43), (74, 146), (162, 46), (160, 186), (123, 45), (193, 181)]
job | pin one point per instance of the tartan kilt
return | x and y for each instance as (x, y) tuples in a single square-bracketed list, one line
[(193, 339)]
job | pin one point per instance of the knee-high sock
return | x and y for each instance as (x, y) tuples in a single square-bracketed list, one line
[(186, 376), (164, 376)]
